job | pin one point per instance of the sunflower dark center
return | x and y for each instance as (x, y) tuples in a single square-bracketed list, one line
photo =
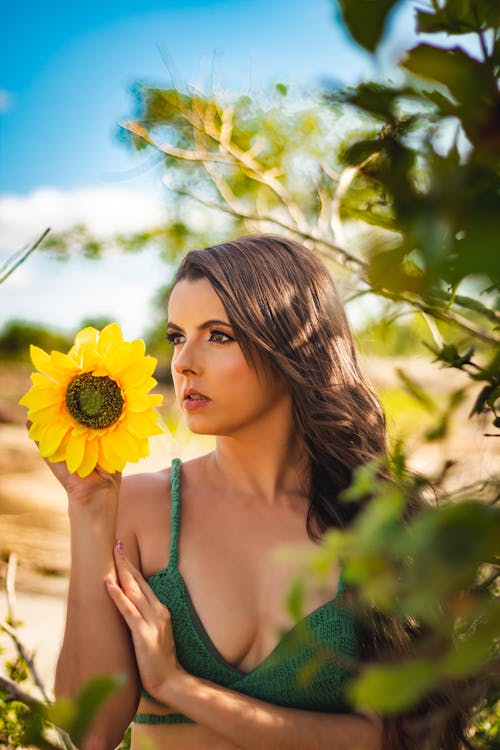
[(93, 401)]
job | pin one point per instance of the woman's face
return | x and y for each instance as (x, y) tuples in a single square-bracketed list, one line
[(208, 359)]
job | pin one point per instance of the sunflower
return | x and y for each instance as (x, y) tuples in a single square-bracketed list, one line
[(91, 406)]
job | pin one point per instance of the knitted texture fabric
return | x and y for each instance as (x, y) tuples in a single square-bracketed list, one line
[(307, 669)]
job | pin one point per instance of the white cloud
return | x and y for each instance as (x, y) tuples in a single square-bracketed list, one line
[(60, 294), (104, 210)]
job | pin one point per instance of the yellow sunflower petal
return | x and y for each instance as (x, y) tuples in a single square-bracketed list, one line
[(138, 373), (43, 363), (124, 444), (64, 363), (60, 453), (118, 357), (75, 450), (89, 360), (149, 384), (111, 460), (137, 400), (143, 424), (87, 337), (41, 381), (48, 415), (144, 447), (38, 398), (110, 336), (90, 458), (103, 463), (51, 438), (138, 349)]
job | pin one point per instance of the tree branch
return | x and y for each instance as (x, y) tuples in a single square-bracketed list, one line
[(324, 246), (15, 693)]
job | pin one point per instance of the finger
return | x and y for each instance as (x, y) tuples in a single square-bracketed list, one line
[(141, 581), (133, 583), (127, 609)]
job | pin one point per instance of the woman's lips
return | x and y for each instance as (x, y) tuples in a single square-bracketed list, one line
[(195, 402)]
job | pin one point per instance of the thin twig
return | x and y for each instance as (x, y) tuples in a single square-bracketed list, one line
[(10, 589), (11, 629), (14, 263), (16, 693), (446, 315), (26, 656), (434, 330), (326, 247)]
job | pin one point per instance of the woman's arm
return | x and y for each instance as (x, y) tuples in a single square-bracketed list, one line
[(251, 723), (247, 722), (96, 640)]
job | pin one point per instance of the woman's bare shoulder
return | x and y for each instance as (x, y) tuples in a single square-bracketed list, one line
[(141, 494), (144, 504)]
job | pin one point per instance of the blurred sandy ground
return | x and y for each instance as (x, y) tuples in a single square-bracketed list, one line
[(33, 521)]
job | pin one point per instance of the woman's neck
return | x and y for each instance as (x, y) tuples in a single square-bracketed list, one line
[(266, 461)]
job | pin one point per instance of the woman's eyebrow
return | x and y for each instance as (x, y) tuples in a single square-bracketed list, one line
[(206, 324)]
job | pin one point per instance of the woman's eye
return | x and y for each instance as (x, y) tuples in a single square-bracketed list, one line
[(219, 337), (173, 337)]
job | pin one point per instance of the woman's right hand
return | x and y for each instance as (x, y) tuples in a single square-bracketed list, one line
[(85, 490)]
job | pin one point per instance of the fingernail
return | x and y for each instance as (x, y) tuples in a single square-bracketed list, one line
[(119, 546)]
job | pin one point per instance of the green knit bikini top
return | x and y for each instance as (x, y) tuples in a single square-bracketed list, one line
[(307, 669)]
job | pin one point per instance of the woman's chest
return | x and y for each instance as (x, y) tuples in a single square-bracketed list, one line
[(239, 598), (236, 569)]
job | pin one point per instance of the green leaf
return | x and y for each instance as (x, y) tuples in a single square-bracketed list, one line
[(488, 11), (295, 599), (390, 690), (456, 17), (363, 482), (361, 150), (482, 399), (77, 718), (465, 78), (471, 653), (282, 89), (439, 431), (416, 390), (366, 19)]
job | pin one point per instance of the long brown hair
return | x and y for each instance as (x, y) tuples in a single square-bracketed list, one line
[(285, 311), (284, 308)]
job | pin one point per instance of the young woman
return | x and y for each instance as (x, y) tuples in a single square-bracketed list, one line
[(188, 603)]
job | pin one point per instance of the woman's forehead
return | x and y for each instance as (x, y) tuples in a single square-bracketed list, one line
[(195, 297)]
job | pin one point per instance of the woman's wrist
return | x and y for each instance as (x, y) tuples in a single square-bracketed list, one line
[(98, 514), (176, 687)]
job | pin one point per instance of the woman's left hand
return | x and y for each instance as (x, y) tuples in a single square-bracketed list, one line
[(149, 623)]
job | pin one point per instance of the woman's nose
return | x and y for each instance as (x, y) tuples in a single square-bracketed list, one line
[(186, 360)]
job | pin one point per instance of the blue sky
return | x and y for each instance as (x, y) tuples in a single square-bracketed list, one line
[(67, 70)]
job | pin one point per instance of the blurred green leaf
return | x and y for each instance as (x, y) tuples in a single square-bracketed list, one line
[(390, 690), (464, 77), (416, 390), (76, 716), (295, 599), (366, 20)]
